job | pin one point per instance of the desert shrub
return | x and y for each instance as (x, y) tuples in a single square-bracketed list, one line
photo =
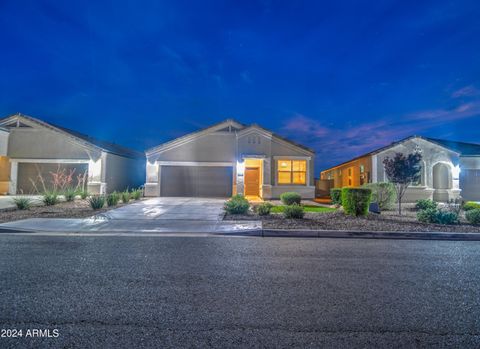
[(473, 216), (424, 204), (356, 201), (336, 195), (294, 211), (83, 194), (136, 194), (97, 201), (290, 198), (113, 199), (264, 209), (125, 196), (70, 194), (50, 198), (470, 205), (383, 193), (436, 216), (23, 203), (237, 204)]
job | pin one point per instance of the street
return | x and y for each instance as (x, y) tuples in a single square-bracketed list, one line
[(239, 292)]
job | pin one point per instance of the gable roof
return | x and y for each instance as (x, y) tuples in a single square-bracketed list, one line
[(462, 148), (108, 147), (217, 127)]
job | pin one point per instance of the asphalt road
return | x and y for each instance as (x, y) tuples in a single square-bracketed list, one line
[(239, 292)]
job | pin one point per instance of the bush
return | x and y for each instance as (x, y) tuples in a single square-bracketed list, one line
[(294, 211), (336, 195), (264, 209), (50, 198), (113, 199), (23, 203), (237, 205), (290, 198), (83, 194), (473, 216), (424, 204), (356, 201), (97, 201), (470, 205), (125, 196), (70, 194), (383, 193), (136, 194), (436, 216)]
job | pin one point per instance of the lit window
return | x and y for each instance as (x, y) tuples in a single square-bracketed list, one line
[(292, 171)]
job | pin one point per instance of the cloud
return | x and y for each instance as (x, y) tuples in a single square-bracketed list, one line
[(467, 91)]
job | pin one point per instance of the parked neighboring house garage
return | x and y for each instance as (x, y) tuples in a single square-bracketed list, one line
[(230, 158), (31, 151), (449, 169)]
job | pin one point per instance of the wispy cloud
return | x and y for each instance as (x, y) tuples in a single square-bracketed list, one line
[(467, 91)]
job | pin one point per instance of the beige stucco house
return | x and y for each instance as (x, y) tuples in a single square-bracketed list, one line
[(230, 158), (449, 169), (31, 150)]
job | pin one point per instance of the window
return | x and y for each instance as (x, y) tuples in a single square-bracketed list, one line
[(292, 171)]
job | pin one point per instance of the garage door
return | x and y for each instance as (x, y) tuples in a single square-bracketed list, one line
[(470, 184), (196, 181), (32, 175)]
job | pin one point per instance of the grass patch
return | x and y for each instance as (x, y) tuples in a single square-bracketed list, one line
[(307, 208)]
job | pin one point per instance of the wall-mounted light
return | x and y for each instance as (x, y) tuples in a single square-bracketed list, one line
[(240, 168), (456, 172)]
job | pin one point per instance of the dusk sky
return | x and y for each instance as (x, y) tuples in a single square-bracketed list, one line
[(340, 77)]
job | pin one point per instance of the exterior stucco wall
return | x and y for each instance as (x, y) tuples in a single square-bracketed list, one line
[(254, 144), (340, 174), (470, 177), (121, 173), (30, 143), (4, 135)]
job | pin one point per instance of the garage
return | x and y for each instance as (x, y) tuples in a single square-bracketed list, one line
[(34, 178), (196, 181), (470, 184)]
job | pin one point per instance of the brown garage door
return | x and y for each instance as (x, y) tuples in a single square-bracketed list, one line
[(196, 181), (470, 184), (31, 176)]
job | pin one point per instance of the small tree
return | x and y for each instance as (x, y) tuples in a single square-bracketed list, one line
[(402, 171)]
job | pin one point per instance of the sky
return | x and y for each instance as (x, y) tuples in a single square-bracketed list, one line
[(342, 77)]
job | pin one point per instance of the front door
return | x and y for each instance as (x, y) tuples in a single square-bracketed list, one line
[(252, 181)]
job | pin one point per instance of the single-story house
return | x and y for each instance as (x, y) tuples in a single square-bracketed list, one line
[(449, 169), (230, 158), (33, 152)]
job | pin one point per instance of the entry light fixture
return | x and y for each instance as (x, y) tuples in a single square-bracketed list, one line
[(240, 168)]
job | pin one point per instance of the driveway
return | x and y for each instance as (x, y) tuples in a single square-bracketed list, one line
[(157, 215)]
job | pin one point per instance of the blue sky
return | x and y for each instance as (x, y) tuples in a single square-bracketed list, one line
[(341, 77)]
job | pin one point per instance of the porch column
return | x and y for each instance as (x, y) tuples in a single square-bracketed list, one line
[(95, 171), (12, 185), (152, 185), (267, 179)]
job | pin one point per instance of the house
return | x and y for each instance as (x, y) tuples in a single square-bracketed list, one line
[(449, 169), (230, 158), (31, 150)]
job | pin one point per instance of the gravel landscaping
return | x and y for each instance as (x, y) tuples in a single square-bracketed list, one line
[(73, 209), (387, 221)]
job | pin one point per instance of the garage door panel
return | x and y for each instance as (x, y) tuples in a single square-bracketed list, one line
[(470, 184), (196, 181)]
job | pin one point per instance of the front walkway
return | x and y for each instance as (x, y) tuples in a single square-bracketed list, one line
[(162, 215)]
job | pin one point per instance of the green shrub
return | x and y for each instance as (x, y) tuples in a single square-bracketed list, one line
[(436, 216), (83, 194), (264, 209), (237, 205), (70, 194), (470, 205), (113, 199), (97, 201), (473, 216), (50, 198), (23, 203), (294, 211), (424, 204), (356, 201), (336, 195), (125, 196), (290, 198), (383, 193), (136, 194)]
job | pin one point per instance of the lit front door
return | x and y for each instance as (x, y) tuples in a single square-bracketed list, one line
[(252, 181)]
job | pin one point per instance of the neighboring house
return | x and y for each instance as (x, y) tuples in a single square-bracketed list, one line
[(449, 169), (230, 158), (31, 150)]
